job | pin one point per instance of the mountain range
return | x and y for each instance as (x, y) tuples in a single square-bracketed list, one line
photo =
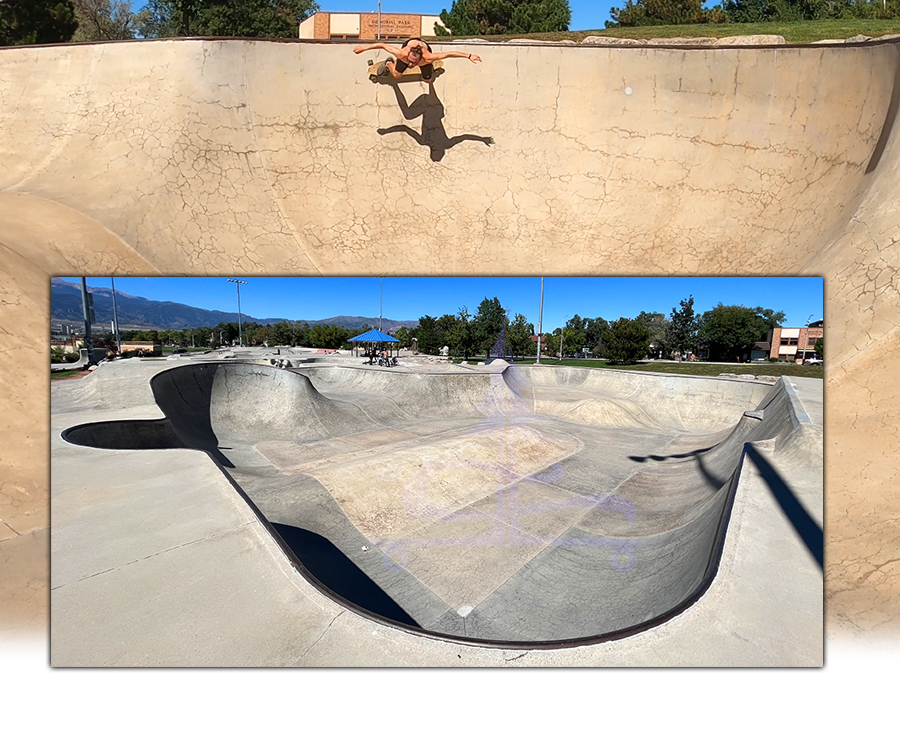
[(141, 313)]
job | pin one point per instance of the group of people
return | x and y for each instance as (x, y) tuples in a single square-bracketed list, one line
[(382, 357)]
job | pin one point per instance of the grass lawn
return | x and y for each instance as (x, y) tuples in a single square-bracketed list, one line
[(63, 374), (796, 32), (696, 368)]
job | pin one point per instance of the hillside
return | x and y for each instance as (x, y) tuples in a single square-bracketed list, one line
[(141, 313)]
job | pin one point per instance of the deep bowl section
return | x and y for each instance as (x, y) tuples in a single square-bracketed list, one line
[(518, 504)]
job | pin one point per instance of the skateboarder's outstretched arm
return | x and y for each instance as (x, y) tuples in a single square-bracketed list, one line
[(377, 45), (461, 55)]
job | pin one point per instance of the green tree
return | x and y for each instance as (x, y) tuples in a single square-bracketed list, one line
[(427, 335), (771, 317), (445, 326), (104, 20), (575, 336), (483, 17), (278, 19), (593, 334), (246, 18), (462, 336), (248, 331), (36, 22), (301, 334), (664, 13), (329, 337), (151, 335), (518, 336), (403, 334), (486, 324), (819, 348), (281, 334), (731, 331), (225, 333), (162, 18), (627, 341), (261, 336), (684, 327), (571, 342), (658, 326)]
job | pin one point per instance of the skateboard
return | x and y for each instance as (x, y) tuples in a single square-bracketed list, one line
[(410, 73)]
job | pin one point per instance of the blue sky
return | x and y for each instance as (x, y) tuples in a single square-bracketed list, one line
[(585, 15), (408, 298)]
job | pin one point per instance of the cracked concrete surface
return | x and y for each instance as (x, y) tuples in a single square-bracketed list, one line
[(257, 157)]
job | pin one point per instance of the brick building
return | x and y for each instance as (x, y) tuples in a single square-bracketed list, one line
[(365, 26), (145, 347), (793, 344), (534, 338)]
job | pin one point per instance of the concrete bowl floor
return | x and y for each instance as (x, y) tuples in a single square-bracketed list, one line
[(505, 504)]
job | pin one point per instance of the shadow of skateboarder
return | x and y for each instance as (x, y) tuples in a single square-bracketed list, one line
[(433, 134)]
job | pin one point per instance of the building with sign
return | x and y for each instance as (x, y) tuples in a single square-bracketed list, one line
[(368, 26), (796, 344)]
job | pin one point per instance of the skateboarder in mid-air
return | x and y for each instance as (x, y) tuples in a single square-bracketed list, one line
[(414, 53)]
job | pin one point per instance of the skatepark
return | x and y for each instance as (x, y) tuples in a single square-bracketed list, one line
[(227, 156), (501, 506)]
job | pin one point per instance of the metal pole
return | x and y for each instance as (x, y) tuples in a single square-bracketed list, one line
[(806, 342), (562, 333), (238, 283), (540, 323), (378, 36), (85, 306), (116, 316), (379, 304)]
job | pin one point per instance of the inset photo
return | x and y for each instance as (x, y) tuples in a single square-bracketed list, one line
[(437, 471)]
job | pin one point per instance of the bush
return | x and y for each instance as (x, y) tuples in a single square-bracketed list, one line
[(627, 341), (72, 356)]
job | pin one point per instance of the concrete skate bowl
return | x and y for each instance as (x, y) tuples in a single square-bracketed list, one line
[(203, 156), (526, 507)]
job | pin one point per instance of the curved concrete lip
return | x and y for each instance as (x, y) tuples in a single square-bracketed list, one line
[(496, 555)]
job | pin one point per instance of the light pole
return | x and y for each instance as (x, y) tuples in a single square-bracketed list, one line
[(378, 35), (116, 316), (238, 283), (562, 333), (380, 304), (87, 303), (806, 341), (540, 323)]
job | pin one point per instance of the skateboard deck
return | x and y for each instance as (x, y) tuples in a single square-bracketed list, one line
[(410, 73)]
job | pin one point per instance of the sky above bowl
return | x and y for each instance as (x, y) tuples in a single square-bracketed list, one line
[(409, 298)]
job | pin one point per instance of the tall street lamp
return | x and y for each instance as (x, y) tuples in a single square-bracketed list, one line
[(540, 323), (87, 307), (562, 333), (806, 341), (238, 283), (116, 316), (380, 304)]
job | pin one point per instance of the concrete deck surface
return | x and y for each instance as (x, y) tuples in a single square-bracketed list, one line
[(155, 549), (240, 157)]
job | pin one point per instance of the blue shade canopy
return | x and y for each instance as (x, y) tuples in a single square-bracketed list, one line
[(373, 335)]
